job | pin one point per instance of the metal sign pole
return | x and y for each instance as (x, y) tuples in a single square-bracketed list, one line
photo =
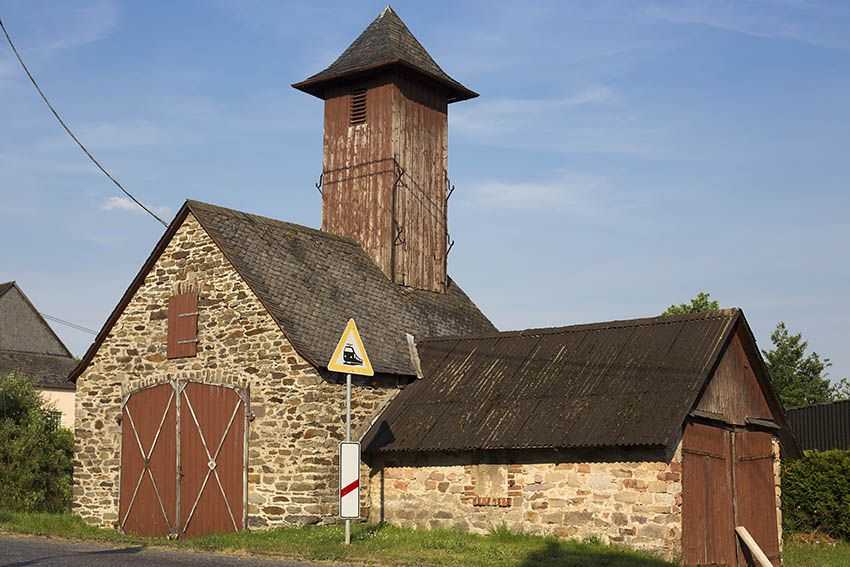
[(348, 439)]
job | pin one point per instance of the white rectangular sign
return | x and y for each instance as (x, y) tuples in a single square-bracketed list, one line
[(349, 480)]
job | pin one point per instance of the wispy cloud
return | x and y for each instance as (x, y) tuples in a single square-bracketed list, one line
[(503, 114), (581, 194), (592, 120), (124, 204), (77, 26), (784, 19)]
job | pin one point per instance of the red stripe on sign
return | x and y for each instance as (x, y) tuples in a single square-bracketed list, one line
[(350, 488)]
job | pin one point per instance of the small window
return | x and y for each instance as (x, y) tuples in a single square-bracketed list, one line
[(183, 325), (491, 481), (357, 111)]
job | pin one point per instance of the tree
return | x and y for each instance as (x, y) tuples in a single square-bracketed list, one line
[(699, 304), (799, 379), (35, 452)]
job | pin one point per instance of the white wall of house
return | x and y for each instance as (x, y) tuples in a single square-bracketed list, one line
[(63, 401)]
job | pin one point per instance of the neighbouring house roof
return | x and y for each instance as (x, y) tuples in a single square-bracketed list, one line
[(46, 370), (387, 42), (4, 287), (614, 384), (312, 282)]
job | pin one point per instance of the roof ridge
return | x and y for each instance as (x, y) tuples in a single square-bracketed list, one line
[(296, 226), (599, 326)]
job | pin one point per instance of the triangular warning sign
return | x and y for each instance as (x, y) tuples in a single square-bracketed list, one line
[(350, 356)]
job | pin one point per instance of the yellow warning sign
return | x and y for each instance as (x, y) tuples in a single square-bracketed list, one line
[(350, 356)]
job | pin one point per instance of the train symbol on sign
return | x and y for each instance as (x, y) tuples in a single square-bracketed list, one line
[(349, 356)]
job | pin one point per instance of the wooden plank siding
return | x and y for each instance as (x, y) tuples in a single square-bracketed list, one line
[(734, 393), (384, 180)]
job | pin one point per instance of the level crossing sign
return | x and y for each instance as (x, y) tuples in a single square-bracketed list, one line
[(350, 356)]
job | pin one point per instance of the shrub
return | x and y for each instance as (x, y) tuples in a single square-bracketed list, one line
[(816, 493), (35, 452)]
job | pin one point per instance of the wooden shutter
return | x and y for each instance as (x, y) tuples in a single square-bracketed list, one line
[(183, 325)]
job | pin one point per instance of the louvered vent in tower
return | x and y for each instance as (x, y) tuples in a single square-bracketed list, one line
[(357, 111)]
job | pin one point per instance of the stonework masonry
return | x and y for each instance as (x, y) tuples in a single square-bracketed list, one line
[(638, 504), (297, 410), (777, 481)]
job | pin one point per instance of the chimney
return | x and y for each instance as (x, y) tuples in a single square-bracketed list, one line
[(384, 170)]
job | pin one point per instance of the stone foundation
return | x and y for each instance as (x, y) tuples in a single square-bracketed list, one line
[(638, 504), (298, 411)]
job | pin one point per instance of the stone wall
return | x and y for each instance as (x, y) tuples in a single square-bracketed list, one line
[(633, 503), (777, 482), (298, 411)]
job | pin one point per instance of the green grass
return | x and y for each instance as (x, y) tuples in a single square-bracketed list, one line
[(388, 545), (371, 544), (809, 554)]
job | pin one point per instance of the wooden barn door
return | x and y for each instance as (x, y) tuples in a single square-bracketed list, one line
[(148, 500), (212, 453), (183, 468), (755, 491), (727, 481), (708, 530)]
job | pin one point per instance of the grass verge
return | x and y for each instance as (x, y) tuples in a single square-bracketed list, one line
[(813, 551), (371, 544)]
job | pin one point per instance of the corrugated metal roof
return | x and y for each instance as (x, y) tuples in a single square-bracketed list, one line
[(821, 427), (386, 42), (622, 383)]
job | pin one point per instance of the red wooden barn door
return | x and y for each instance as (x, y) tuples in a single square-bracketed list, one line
[(198, 430), (147, 504), (212, 445), (727, 481), (755, 492), (708, 531)]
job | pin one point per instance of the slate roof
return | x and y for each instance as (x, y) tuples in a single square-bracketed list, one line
[(620, 383), (4, 287), (312, 282), (386, 42), (47, 370)]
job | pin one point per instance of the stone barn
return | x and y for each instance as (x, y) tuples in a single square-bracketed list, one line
[(658, 433), (205, 404)]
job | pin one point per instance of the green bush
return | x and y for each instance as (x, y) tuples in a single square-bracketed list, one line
[(816, 493), (35, 452)]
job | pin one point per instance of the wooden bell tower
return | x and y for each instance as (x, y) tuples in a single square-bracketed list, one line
[(384, 171)]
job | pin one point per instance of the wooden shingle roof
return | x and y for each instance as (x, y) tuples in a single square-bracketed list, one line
[(615, 384), (311, 282), (387, 42)]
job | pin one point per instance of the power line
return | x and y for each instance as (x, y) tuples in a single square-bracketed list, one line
[(68, 130), (69, 324)]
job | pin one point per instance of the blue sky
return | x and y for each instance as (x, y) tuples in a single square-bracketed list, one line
[(622, 156)]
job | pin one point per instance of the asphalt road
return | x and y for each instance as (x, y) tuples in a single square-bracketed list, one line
[(42, 552)]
